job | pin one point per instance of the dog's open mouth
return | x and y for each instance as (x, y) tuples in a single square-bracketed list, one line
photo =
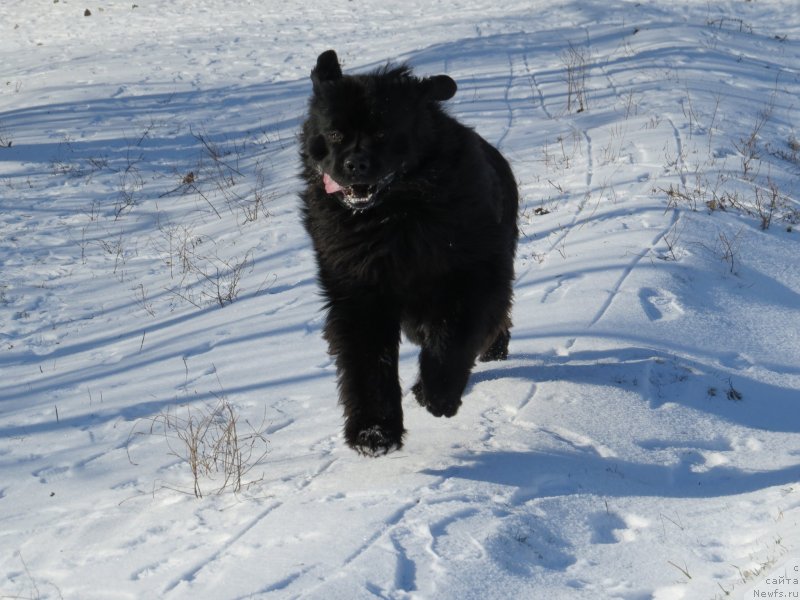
[(358, 196)]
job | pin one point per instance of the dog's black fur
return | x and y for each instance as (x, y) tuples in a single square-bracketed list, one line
[(413, 218)]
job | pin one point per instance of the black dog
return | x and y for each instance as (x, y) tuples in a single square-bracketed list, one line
[(413, 218)]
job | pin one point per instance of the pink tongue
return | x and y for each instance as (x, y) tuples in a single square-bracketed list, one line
[(331, 187)]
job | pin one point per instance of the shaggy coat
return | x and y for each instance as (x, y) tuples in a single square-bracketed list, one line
[(413, 219)]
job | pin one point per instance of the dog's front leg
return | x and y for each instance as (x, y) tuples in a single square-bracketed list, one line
[(364, 340)]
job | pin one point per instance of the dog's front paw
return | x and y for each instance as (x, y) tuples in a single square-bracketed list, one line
[(375, 441), (438, 406)]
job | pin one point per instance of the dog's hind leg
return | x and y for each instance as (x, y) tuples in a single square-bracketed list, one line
[(443, 375), (498, 349), (478, 328), (445, 362)]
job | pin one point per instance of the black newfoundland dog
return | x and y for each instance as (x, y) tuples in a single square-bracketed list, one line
[(413, 218)]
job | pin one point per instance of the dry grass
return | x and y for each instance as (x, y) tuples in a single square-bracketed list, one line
[(219, 450)]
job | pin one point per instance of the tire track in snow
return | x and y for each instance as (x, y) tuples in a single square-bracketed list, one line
[(578, 441), (391, 523), (680, 164), (405, 578), (310, 478), (279, 586), (189, 575), (589, 161), (507, 100), (637, 259), (395, 528), (604, 72), (560, 288), (535, 86), (565, 230), (502, 412), (629, 269), (526, 401)]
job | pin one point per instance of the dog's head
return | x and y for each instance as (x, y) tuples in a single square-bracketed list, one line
[(364, 131)]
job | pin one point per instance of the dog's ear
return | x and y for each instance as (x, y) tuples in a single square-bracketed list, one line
[(439, 88), (327, 68)]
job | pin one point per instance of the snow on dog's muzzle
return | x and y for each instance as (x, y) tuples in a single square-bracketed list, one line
[(358, 196)]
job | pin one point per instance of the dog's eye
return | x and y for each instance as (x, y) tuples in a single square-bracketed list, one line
[(334, 136), (317, 148)]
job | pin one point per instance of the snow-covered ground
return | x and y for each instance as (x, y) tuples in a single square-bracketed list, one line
[(643, 439)]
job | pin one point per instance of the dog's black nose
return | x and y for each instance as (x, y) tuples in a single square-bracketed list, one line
[(356, 165)]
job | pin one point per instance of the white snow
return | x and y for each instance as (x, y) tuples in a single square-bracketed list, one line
[(641, 442)]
